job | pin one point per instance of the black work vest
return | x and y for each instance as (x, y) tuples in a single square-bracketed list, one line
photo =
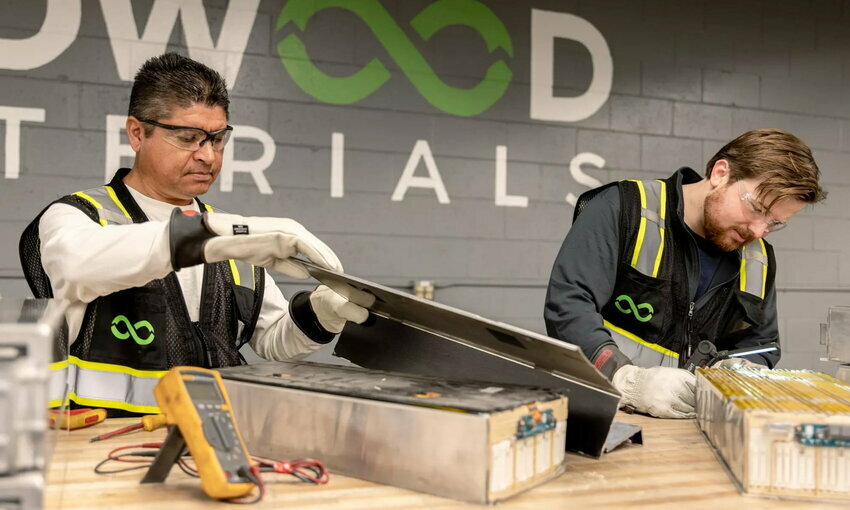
[(128, 339), (650, 314)]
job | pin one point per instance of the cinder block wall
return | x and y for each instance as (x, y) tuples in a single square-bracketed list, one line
[(687, 77)]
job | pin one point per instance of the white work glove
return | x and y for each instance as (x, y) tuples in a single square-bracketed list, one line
[(265, 242), (333, 310), (736, 364), (659, 391)]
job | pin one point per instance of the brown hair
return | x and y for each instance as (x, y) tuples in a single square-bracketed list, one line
[(782, 162)]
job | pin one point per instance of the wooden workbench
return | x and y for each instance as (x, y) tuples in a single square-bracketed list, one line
[(673, 468)]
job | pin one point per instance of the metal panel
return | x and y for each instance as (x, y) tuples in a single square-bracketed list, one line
[(409, 334)]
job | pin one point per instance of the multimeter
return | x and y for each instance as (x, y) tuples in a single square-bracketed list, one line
[(194, 400)]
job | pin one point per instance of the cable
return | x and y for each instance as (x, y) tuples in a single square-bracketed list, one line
[(305, 470), (252, 474)]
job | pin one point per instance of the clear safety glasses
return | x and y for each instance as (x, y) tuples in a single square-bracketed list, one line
[(192, 138), (753, 209)]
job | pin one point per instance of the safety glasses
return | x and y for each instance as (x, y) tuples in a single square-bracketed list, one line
[(752, 208), (190, 138)]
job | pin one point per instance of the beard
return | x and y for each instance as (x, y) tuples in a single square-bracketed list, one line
[(716, 232)]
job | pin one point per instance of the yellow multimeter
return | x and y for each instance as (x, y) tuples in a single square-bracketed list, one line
[(195, 401)]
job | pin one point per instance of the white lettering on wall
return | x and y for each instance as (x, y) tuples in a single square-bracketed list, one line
[(13, 117), (255, 167), (546, 26), (115, 150), (502, 197), (59, 29), (337, 165), (421, 151), (584, 158), (131, 51)]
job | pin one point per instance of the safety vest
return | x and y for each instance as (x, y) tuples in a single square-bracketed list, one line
[(650, 315), (130, 338)]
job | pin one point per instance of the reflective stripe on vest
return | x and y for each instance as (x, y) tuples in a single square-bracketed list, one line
[(103, 385), (641, 352), (646, 258), (649, 245), (110, 210), (243, 273), (754, 268), (115, 386), (57, 384)]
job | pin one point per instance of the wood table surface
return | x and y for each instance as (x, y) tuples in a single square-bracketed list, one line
[(674, 468)]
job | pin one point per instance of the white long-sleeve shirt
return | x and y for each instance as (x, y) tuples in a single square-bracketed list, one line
[(85, 260)]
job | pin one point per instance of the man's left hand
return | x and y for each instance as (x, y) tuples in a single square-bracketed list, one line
[(333, 310)]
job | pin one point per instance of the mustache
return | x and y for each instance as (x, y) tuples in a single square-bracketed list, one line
[(746, 235)]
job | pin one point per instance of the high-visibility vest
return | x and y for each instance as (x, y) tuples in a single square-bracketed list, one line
[(129, 339), (650, 315)]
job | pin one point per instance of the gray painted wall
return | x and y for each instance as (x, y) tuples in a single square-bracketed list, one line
[(687, 77)]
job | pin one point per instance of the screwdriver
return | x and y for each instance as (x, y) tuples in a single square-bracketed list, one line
[(72, 419), (148, 422)]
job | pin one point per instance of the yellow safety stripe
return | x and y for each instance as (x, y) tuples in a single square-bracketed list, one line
[(108, 367), (663, 214), (94, 202), (235, 271), (237, 279), (114, 198), (635, 338), (116, 404), (642, 228), (743, 278), (763, 268), (59, 365)]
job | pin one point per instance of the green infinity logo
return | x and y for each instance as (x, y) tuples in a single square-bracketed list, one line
[(131, 330), (440, 14), (622, 298)]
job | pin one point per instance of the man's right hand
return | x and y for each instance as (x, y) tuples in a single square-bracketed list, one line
[(265, 242), (659, 391)]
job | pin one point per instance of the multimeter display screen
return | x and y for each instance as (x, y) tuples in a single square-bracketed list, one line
[(205, 391)]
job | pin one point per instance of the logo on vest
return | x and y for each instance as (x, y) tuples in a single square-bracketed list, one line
[(132, 330), (634, 309)]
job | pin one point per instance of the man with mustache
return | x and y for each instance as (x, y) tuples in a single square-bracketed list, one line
[(154, 276), (650, 268)]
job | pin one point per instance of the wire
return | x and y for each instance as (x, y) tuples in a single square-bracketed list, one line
[(305, 470), (252, 474)]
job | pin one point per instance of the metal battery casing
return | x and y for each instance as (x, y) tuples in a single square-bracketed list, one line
[(30, 349), (29, 331), (461, 447)]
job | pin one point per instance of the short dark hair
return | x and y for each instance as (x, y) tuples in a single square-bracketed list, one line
[(171, 80), (782, 162)]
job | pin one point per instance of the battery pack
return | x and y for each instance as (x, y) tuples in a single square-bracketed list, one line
[(470, 441)]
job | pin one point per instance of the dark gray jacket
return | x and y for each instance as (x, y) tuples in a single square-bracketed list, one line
[(585, 272)]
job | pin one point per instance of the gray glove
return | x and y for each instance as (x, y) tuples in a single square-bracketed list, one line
[(736, 364), (265, 242), (659, 391)]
